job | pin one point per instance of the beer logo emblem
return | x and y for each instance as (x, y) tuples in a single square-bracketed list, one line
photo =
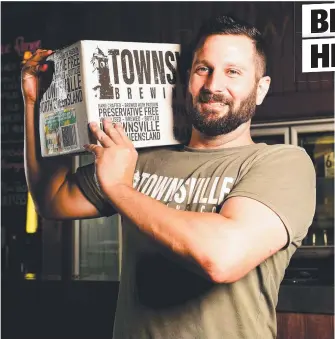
[(103, 89)]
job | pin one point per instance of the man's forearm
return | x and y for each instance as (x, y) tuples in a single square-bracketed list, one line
[(39, 171), (197, 236)]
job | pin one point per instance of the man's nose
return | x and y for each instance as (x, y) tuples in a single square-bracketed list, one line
[(216, 82)]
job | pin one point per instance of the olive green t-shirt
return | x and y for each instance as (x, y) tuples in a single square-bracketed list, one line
[(159, 297)]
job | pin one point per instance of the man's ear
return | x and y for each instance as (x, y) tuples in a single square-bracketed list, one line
[(262, 89)]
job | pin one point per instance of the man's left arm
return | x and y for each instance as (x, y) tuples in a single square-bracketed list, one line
[(225, 246)]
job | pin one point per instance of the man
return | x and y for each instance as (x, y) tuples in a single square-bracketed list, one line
[(208, 228)]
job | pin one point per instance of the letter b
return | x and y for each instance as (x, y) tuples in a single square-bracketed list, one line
[(318, 21)]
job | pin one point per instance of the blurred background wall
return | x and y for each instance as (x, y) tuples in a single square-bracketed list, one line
[(58, 307)]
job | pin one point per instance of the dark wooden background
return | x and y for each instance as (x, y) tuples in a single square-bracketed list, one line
[(54, 310)]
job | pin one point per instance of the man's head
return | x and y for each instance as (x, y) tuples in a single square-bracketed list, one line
[(227, 78)]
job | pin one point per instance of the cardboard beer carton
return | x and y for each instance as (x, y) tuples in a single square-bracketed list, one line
[(136, 84)]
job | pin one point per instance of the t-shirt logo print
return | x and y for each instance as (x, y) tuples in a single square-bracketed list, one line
[(202, 194), (136, 179), (103, 89)]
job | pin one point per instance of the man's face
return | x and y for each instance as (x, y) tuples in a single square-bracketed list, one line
[(223, 88)]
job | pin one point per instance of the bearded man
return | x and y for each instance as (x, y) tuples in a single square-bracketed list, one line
[(208, 227)]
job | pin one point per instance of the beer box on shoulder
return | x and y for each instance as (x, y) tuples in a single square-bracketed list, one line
[(135, 84)]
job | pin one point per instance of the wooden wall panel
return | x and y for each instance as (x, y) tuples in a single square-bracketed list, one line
[(305, 326), (280, 22)]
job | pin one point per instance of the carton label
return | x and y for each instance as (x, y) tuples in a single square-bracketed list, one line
[(66, 87), (61, 131), (138, 86), (51, 132)]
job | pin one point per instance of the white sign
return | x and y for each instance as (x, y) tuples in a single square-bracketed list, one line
[(318, 20), (318, 55)]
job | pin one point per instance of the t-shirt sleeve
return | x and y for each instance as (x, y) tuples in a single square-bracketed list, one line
[(87, 183), (283, 179)]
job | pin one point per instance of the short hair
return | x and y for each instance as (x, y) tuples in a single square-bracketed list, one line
[(227, 25)]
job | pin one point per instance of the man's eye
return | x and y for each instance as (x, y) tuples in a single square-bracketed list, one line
[(233, 72), (202, 70)]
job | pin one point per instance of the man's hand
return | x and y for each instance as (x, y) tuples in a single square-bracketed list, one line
[(115, 159), (32, 66)]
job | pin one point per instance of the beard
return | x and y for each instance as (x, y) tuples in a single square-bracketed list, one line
[(208, 124)]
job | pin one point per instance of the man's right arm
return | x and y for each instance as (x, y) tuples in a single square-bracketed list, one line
[(53, 186)]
